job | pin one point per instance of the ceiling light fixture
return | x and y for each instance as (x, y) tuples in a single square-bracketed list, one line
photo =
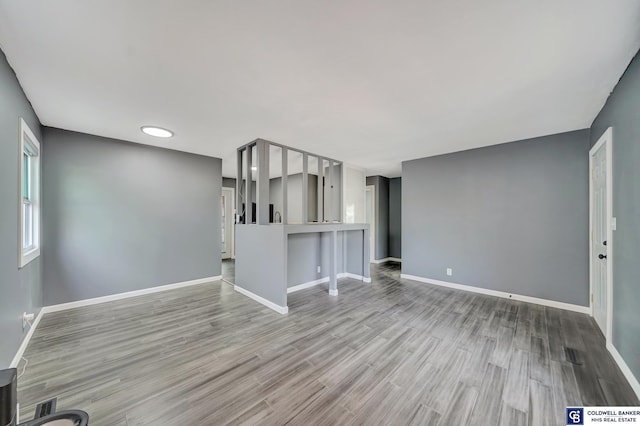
[(158, 132)]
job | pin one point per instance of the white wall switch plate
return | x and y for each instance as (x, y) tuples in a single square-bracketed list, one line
[(319, 269), (614, 223), (449, 271)]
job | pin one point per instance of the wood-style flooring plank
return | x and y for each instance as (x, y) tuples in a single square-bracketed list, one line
[(516, 391), (461, 405), (488, 407), (542, 411), (512, 417)]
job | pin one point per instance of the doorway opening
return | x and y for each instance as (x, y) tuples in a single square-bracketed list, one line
[(601, 224), (227, 233), (227, 223)]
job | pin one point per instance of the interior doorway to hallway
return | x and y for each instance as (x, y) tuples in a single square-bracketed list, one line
[(227, 223)]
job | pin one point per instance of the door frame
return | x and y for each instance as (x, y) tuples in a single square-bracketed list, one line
[(607, 140), (232, 191), (372, 229)]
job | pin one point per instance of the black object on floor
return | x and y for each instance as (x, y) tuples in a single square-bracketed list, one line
[(45, 411), (66, 418), (8, 396)]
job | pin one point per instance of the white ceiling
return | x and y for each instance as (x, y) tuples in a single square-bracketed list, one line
[(368, 82)]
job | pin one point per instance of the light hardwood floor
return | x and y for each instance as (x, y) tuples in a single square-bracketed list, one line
[(390, 352)]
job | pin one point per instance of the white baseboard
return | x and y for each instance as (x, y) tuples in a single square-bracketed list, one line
[(333, 292), (279, 309), (354, 276), (628, 374), (119, 296), (350, 275), (25, 341), (496, 293), (386, 259), (323, 280), (308, 284)]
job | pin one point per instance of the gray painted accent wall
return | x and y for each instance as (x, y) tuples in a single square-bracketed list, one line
[(20, 289), (395, 217), (511, 217), (622, 112), (381, 185), (120, 216)]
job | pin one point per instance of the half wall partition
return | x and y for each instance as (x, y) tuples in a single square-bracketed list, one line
[(290, 233)]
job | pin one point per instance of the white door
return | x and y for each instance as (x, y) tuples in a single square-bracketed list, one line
[(370, 218), (600, 230), (226, 222)]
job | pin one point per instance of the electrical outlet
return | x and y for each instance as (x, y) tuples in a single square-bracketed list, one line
[(319, 269), (26, 319), (449, 271)]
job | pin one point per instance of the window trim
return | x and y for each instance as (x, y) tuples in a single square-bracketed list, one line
[(29, 144)]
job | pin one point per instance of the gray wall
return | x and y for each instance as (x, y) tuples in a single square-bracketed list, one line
[(260, 261), (622, 112), (353, 247), (228, 183), (308, 251), (120, 217), (511, 217), (294, 197), (381, 185), (261, 270), (335, 192), (20, 290), (395, 217)]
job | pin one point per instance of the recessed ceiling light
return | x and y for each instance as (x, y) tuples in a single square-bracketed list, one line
[(254, 168), (158, 132)]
